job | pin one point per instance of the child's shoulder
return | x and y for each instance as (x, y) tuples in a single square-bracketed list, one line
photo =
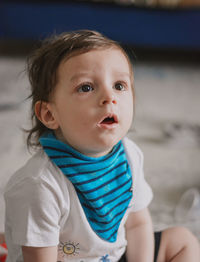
[(131, 147), (133, 153), (38, 169)]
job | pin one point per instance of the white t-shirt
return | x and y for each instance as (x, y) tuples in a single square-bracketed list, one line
[(43, 209)]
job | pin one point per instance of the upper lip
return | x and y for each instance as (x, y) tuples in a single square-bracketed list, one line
[(109, 115)]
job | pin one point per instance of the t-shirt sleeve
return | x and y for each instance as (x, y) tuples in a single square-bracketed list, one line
[(34, 213), (142, 192)]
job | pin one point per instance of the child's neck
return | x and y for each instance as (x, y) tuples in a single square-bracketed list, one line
[(60, 137)]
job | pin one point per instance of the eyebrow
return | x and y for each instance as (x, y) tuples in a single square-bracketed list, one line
[(118, 74), (78, 75)]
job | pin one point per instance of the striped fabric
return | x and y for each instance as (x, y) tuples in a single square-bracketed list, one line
[(103, 184)]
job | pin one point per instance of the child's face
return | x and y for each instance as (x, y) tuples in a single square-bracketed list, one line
[(93, 101)]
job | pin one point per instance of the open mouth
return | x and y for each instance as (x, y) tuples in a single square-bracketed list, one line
[(109, 121)]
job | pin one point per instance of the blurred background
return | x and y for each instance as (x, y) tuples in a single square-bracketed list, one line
[(163, 40)]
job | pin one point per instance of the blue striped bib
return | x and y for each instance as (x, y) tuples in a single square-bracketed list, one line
[(103, 184)]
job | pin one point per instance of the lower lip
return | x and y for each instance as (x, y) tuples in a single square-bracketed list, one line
[(108, 126)]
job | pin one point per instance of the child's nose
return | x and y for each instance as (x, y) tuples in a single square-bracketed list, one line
[(107, 98)]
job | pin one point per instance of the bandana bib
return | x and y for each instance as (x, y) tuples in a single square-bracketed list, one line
[(103, 184)]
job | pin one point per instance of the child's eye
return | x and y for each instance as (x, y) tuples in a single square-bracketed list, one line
[(119, 86), (85, 88)]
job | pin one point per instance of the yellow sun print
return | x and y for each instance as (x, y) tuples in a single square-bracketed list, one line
[(69, 248)]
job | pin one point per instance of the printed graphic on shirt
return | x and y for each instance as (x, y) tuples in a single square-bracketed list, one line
[(104, 258), (67, 249)]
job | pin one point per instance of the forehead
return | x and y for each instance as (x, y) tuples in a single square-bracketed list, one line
[(113, 58)]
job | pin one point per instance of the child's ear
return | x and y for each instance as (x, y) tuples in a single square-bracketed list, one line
[(44, 113)]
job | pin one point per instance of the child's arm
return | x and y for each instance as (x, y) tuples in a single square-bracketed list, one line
[(39, 254), (139, 234)]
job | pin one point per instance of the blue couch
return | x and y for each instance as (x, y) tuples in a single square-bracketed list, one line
[(143, 27)]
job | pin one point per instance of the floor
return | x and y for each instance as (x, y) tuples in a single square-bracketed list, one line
[(166, 126)]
